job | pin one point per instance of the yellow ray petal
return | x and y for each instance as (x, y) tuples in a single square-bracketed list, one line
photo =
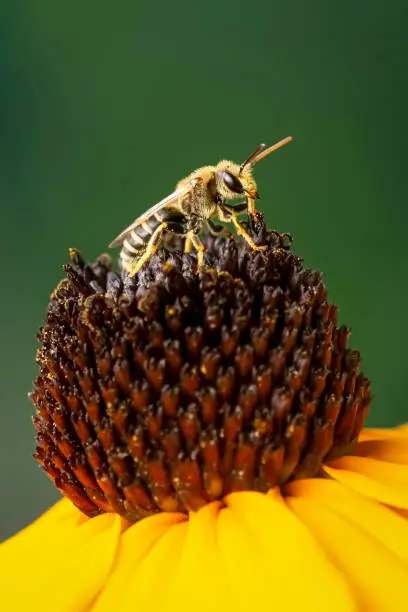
[(386, 482), (139, 574), (368, 515), (62, 568), (379, 578), (60, 521), (149, 587), (384, 434), (61, 512), (391, 450), (384, 444), (199, 582), (272, 562)]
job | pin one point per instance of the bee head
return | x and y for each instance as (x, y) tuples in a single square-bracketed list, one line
[(232, 184)]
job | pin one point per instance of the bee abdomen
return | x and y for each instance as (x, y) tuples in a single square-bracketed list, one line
[(130, 251), (136, 241)]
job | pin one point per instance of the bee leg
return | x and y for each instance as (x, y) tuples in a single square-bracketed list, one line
[(251, 206), (236, 209), (151, 248), (200, 248), (242, 232), (188, 244), (229, 214)]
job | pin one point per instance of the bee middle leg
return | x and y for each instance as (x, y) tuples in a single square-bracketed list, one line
[(189, 228), (188, 244), (192, 240), (182, 227)]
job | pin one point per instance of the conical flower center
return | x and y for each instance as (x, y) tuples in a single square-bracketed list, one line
[(172, 389)]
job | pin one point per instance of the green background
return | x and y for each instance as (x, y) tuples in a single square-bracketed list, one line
[(104, 106)]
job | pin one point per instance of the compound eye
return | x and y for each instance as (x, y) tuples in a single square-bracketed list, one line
[(232, 182)]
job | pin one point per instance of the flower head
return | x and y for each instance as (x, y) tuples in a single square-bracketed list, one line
[(208, 429), (171, 390)]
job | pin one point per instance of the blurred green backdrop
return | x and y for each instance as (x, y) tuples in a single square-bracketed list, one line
[(105, 105)]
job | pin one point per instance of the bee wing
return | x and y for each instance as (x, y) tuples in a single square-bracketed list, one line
[(168, 200)]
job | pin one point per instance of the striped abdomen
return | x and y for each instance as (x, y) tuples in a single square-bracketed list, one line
[(137, 241)]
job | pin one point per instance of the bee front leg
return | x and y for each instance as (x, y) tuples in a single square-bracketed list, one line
[(251, 206), (230, 213), (236, 209), (242, 232)]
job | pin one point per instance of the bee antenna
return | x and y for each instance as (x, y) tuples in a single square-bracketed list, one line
[(258, 155), (250, 159)]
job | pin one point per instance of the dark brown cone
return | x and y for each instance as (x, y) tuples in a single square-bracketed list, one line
[(170, 390)]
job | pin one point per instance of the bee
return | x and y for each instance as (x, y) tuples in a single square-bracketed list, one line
[(200, 198)]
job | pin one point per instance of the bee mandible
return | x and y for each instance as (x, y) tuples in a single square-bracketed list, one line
[(198, 199)]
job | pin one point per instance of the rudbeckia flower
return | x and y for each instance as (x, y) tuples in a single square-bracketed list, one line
[(205, 430)]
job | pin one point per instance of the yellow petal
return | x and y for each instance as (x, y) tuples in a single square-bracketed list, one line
[(59, 563), (199, 582), (384, 434), (61, 518), (386, 482), (393, 451), (61, 512), (271, 561), (139, 577), (366, 514), (384, 444), (149, 586), (379, 578)]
